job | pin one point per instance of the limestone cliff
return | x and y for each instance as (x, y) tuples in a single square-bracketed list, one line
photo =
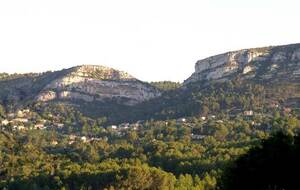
[(97, 83), (258, 63)]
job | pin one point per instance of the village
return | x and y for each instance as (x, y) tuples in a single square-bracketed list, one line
[(25, 119)]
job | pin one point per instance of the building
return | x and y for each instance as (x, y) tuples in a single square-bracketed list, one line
[(5, 122), (20, 120), (220, 121), (183, 120), (59, 125), (197, 137), (19, 127), (39, 126), (11, 115), (287, 110), (72, 137), (248, 113), (113, 127), (54, 143), (83, 139)]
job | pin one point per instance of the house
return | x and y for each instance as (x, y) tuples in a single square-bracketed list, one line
[(26, 111), (71, 142), (11, 115), (124, 126), (113, 127), (203, 118), (135, 128), (20, 120), (83, 139), (248, 113), (96, 139), (182, 120), (59, 125), (72, 137), (19, 127), (197, 137), (274, 105), (43, 121), (220, 121), (39, 126), (54, 143), (287, 110), (20, 113), (5, 122)]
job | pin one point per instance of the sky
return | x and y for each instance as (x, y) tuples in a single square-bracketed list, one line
[(151, 39)]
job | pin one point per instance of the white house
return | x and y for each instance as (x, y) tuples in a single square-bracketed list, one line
[(83, 139), (248, 113), (39, 126), (5, 122)]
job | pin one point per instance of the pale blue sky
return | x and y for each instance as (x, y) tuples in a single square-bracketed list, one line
[(152, 40)]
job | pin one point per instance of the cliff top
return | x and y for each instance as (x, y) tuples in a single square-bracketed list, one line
[(100, 72)]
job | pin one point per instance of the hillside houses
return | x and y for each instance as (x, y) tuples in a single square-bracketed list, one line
[(125, 126)]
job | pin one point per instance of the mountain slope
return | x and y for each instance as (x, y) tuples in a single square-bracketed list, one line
[(264, 64), (83, 83), (258, 79), (97, 83)]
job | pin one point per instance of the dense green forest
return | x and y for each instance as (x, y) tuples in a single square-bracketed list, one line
[(189, 153), (166, 85), (270, 165), (190, 138), (228, 98)]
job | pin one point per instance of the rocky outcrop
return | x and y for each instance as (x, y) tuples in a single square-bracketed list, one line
[(247, 63), (46, 96), (98, 83)]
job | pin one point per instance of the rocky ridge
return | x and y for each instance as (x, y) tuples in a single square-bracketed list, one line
[(97, 83), (258, 63)]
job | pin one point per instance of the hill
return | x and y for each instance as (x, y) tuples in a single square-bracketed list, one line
[(85, 83), (258, 79)]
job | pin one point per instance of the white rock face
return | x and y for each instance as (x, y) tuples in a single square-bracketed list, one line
[(75, 95), (97, 83), (246, 62), (247, 69)]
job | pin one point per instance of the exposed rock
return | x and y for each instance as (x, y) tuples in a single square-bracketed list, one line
[(101, 72), (247, 69), (98, 83), (247, 61), (75, 95), (46, 96)]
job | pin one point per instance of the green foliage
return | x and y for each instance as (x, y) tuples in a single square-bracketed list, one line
[(166, 85), (159, 155), (272, 165)]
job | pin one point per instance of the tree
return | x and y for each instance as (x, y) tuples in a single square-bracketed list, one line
[(271, 165), (2, 111)]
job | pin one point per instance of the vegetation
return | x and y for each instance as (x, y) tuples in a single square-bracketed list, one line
[(271, 165), (203, 136), (189, 153), (166, 85)]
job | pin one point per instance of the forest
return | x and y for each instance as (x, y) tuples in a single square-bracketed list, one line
[(158, 154), (198, 138)]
